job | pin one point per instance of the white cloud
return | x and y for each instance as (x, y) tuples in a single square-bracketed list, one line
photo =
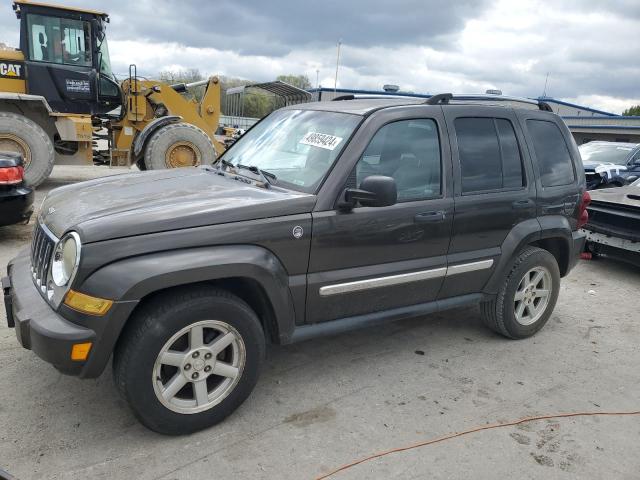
[(589, 48)]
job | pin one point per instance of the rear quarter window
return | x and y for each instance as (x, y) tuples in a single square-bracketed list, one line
[(552, 154)]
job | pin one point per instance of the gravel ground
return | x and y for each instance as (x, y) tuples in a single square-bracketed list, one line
[(326, 402)]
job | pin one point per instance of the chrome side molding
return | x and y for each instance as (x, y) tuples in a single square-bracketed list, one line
[(370, 283)]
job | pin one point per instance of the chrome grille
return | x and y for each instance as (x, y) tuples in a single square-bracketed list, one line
[(42, 247)]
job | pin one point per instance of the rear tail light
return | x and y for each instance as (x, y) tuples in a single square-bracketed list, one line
[(583, 214), (11, 175)]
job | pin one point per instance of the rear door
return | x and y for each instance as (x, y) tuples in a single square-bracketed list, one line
[(372, 259), (558, 167), (492, 192)]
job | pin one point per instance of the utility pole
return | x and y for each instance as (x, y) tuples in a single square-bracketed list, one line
[(317, 78), (335, 83)]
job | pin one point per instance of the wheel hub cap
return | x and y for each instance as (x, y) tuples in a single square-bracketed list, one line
[(13, 143), (532, 295), (199, 366), (182, 154)]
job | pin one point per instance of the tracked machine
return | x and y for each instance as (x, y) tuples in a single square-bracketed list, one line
[(58, 95)]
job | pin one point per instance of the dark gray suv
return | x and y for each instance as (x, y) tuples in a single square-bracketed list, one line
[(323, 217)]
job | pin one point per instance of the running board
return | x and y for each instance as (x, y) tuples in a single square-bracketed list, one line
[(333, 327)]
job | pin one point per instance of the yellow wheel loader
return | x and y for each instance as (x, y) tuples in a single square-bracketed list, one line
[(57, 91)]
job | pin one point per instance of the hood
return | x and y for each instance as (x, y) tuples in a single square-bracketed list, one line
[(628, 196), (149, 202), (600, 167)]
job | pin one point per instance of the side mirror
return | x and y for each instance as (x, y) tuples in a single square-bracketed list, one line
[(374, 191)]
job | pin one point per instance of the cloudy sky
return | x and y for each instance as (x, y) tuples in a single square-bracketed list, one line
[(589, 48)]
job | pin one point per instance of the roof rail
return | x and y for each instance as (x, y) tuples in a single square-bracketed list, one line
[(343, 97), (372, 96), (439, 99), (445, 98)]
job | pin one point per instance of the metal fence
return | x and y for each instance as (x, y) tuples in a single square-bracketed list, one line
[(237, 122)]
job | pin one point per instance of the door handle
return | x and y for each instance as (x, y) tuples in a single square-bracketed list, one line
[(429, 217), (521, 204)]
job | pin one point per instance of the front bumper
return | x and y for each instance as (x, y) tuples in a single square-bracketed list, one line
[(615, 247), (38, 327)]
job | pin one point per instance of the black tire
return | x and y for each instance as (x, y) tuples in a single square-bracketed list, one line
[(36, 146), (167, 137), (499, 313), (150, 329)]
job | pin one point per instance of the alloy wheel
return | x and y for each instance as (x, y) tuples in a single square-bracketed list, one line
[(199, 366), (532, 295)]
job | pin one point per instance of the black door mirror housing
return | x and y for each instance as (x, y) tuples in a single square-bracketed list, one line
[(374, 191)]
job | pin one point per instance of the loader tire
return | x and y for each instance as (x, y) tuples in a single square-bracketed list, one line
[(178, 145), (24, 136)]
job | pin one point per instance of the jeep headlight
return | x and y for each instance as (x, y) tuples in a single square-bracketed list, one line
[(66, 258)]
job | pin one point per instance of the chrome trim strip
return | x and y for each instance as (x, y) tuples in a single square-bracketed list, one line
[(469, 267), (391, 280), (359, 285), (49, 233)]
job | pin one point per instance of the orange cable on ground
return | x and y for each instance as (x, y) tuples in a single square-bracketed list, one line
[(472, 430)]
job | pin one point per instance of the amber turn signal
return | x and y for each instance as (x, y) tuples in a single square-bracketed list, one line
[(80, 351), (86, 303)]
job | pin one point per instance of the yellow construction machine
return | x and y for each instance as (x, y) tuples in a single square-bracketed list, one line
[(57, 92)]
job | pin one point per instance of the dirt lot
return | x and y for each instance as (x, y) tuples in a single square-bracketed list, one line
[(326, 402)]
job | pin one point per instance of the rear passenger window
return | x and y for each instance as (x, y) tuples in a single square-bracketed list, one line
[(489, 154), (554, 160)]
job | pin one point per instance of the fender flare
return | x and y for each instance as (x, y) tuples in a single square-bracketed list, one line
[(24, 97), (152, 127), (524, 233), (129, 280)]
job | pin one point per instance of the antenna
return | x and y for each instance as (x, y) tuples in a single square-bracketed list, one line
[(335, 84), (546, 80)]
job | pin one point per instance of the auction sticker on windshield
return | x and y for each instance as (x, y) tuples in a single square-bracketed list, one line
[(321, 140)]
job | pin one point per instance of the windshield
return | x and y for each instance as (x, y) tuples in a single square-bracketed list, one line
[(297, 146), (105, 61), (605, 152)]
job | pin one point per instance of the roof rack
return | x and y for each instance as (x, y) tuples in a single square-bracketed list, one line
[(446, 98), (370, 96)]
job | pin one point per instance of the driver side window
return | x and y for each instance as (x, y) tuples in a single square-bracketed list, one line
[(59, 40), (408, 151)]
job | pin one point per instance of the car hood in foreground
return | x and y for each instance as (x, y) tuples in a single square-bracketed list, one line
[(149, 202), (628, 196)]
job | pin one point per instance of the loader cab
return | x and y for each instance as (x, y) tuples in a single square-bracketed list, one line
[(67, 58)]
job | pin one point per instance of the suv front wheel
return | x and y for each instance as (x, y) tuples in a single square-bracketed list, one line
[(189, 359), (527, 297)]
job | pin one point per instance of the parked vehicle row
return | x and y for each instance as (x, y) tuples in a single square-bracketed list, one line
[(323, 217), (614, 223), (610, 164), (16, 199)]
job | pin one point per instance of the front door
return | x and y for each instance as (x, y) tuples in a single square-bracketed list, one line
[(59, 59), (372, 259)]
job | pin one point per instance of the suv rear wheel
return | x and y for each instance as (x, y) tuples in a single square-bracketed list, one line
[(189, 360), (527, 297)]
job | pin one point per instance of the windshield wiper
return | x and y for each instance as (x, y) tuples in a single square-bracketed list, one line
[(225, 163), (267, 177)]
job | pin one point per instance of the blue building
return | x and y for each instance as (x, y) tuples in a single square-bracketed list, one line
[(586, 124)]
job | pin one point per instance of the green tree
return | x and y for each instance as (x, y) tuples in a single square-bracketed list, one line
[(188, 75), (300, 81), (632, 111)]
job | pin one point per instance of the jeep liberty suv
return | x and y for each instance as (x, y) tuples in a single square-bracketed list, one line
[(323, 217)]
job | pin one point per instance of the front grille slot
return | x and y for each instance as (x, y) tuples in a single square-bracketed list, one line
[(42, 247)]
